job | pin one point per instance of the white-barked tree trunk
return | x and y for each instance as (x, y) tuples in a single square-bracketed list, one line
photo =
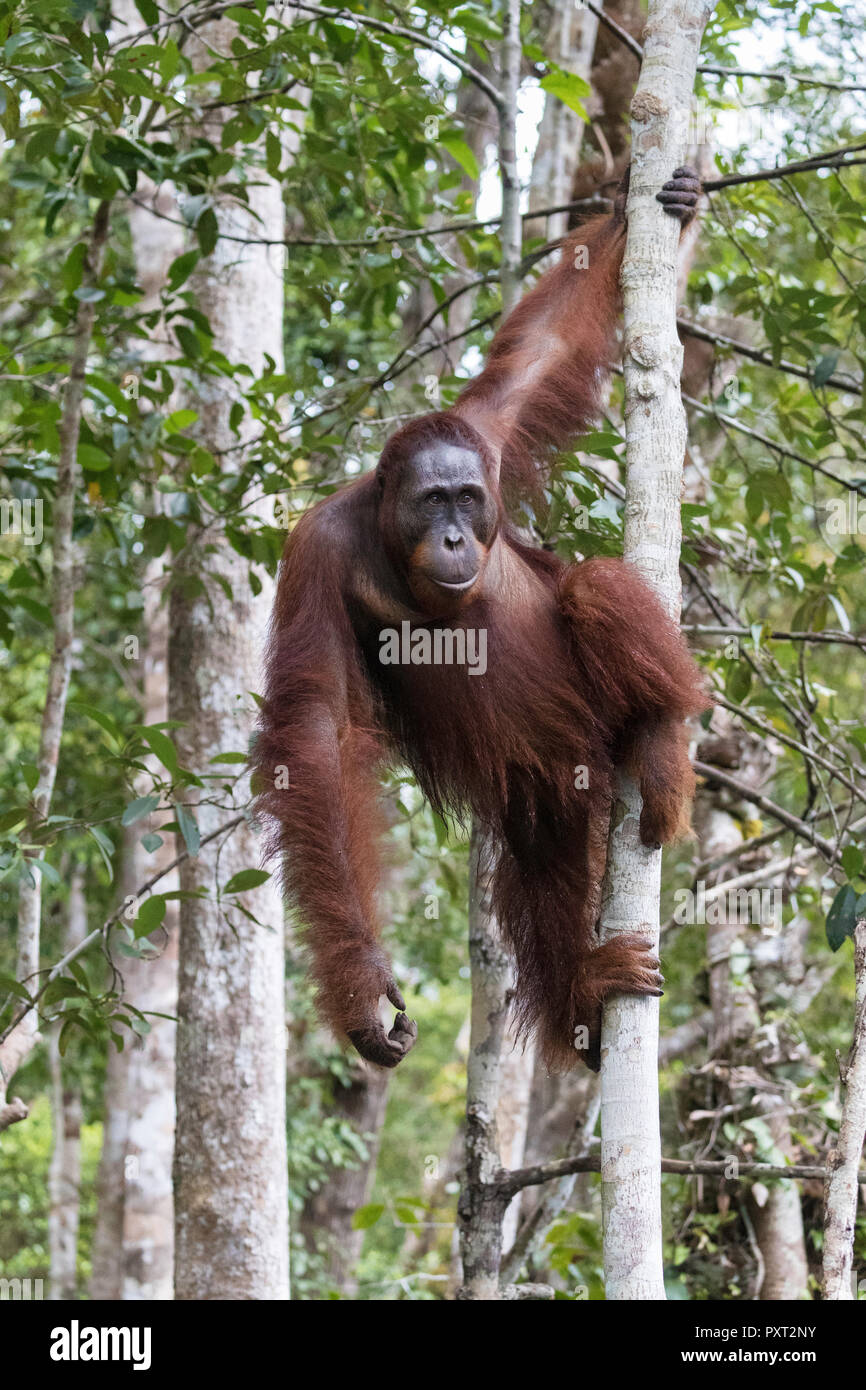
[(655, 449)]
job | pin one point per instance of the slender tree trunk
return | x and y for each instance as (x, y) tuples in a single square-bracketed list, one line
[(475, 113), (362, 1104), (558, 1103), (480, 1217), (231, 1191), (106, 1282), (151, 984), (133, 1248), (569, 42), (511, 226), (656, 440), (64, 1178), (737, 990), (840, 1196), (512, 1118), (22, 1039), (777, 1216), (555, 1196)]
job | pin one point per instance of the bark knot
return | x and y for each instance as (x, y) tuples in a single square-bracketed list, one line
[(646, 106)]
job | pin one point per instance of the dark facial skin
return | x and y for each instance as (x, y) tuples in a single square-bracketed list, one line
[(447, 519)]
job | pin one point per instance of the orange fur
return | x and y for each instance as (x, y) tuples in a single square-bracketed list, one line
[(584, 669)]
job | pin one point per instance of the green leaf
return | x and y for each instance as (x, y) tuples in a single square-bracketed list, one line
[(63, 988), (141, 806), (65, 1036), (151, 842), (273, 154), (852, 860), (207, 231), (842, 917), (180, 420), (367, 1216), (188, 828), (30, 773), (9, 985), (93, 459), (473, 20), (46, 870), (569, 89), (754, 502), (36, 610), (460, 151), (246, 879), (181, 269), (106, 848), (187, 341), (73, 266), (825, 368), (150, 915), (738, 682), (161, 746), (98, 716), (406, 1214)]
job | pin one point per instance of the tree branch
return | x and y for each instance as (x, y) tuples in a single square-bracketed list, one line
[(730, 422), (509, 1184), (763, 803), (694, 330), (829, 635), (830, 159)]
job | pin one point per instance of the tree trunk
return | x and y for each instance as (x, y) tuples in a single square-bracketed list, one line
[(480, 1215), (64, 1179), (106, 1282), (231, 1196), (656, 440), (840, 1196), (570, 43), (362, 1104), (757, 1080), (475, 113), (151, 984)]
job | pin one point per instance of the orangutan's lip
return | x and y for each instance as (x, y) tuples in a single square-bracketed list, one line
[(457, 588)]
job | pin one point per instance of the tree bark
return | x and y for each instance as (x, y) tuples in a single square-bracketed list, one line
[(64, 1178), (362, 1103), (151, 984), (656, 441), (840, 1194), (479, 1210), (106, 1281), (570, 43), (231, 1196), (133, 1247), (480, 1217)]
